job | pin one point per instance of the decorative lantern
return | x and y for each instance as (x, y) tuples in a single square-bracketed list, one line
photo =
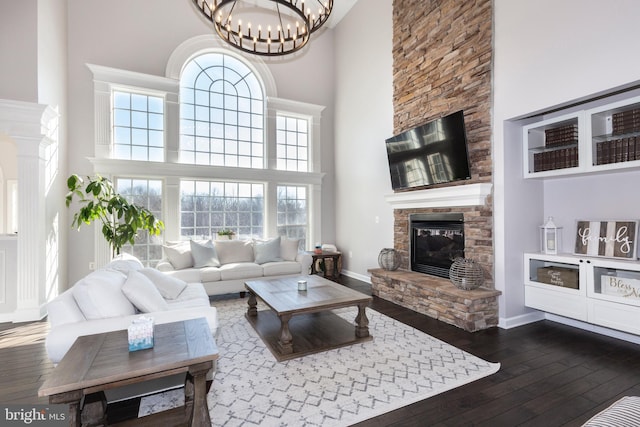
[(550, 237), (466, 274)]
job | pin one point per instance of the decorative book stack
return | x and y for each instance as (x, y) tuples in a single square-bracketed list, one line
[(618, 150), (626, 147), (626, 121), (561, 149)]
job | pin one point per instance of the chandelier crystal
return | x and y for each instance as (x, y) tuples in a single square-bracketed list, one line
[(284, 26)]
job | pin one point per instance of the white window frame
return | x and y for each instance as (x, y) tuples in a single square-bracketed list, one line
[(171, 171)]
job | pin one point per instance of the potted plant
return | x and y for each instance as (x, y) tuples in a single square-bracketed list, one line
[(120, 219), (226, 234)]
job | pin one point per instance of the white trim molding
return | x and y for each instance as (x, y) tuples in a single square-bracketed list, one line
[(459, 195)]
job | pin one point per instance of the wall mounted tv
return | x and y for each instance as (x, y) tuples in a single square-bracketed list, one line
[(433, 153)]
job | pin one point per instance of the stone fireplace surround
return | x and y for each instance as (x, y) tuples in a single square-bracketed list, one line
[(434, 296)]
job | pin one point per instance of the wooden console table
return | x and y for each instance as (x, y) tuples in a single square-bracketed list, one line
[(100, 362)]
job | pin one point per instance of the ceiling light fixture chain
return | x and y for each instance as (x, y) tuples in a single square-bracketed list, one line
[(300, 23)]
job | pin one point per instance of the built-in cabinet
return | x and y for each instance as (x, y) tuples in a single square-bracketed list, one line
[(565, 148), (601, 291), (603, 138)]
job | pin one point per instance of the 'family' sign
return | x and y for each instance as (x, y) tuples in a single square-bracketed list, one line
[(613, 239)]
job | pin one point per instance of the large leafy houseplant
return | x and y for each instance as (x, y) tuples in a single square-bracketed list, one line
[(120, 219)]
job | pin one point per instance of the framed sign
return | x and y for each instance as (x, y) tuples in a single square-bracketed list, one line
[(611, 239)]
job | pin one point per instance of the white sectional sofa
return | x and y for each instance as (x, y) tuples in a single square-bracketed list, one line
[(108, 299), (222, 266)]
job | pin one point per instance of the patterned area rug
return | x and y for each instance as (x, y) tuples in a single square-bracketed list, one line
[(400, 366)]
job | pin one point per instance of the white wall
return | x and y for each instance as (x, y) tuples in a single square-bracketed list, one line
[(547, 54), (133, 36), (363, 120), (18, 54)]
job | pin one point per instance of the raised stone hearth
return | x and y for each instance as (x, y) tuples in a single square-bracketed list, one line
[(438, 298)]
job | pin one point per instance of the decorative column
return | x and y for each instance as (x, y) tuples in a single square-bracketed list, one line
[(33, 127)]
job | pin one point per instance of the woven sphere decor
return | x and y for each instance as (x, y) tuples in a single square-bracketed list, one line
[(389, 259), (466, 274)]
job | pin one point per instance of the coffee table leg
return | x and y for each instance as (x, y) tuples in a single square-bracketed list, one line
[(285, 342), (362, 323), (252, 302), (195, 395)]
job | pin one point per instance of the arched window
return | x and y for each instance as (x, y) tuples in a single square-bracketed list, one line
[(221, 113)]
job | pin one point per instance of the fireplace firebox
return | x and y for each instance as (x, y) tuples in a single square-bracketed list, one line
[(436, 240)]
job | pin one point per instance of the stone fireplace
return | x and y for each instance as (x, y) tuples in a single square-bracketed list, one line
[(426, 293), (442, 62)]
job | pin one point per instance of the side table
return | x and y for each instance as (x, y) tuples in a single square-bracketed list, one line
[(335, 256)]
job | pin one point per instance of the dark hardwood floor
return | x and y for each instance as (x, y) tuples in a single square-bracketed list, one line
[(550, 375)]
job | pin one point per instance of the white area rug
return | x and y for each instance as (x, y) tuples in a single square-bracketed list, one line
[(400, 366)]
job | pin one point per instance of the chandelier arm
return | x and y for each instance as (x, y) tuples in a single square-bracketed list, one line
[(256, 44)]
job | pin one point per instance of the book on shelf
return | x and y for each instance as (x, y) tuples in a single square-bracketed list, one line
[(617, 150)]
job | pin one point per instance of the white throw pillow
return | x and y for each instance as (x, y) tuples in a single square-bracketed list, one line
[(124, 263), (268, 251), (179, 255), (168, 286), (289, 249), (99, 295), (230, 251), (204, 254), (143, 293)]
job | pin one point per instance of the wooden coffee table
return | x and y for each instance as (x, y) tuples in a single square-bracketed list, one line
[(301, 322), (100, 362)]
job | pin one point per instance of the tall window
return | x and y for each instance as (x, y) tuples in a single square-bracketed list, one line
[(221, 113), (138, 126), (209, 206), (148, 194), (292, 142), (292, 212)]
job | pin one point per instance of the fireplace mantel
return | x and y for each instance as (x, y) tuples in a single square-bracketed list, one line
[(459, 195)]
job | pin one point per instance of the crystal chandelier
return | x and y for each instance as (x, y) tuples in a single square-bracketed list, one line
[(285, 25)]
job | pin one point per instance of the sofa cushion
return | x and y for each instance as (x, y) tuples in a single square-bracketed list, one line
[(233, 251), (141, 291), (124, 263), (63, 309), (280, 267), (178, 254), (267, 251), (289, 249), (168, 286), (209, 274), (194, 295), (204, 254), (240, 270), (99, 295)]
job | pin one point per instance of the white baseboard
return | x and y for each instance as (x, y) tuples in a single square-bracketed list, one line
[(358, 276), (523, 319)]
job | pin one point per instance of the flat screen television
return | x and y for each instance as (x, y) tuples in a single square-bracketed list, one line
[(433, 153)]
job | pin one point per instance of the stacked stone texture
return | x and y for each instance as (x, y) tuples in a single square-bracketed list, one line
[(442, 62), (470, 310)]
